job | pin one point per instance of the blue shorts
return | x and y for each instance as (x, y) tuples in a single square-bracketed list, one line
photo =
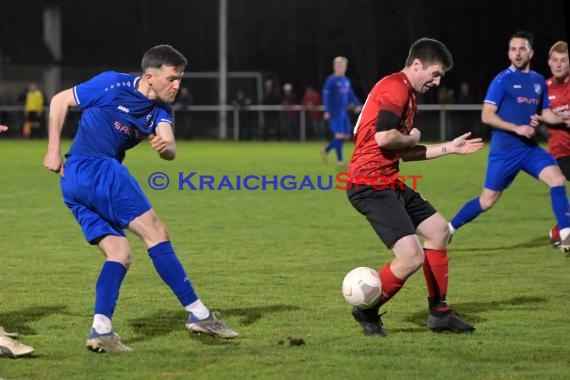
[(102, 195), (503, 167), (340, 124)]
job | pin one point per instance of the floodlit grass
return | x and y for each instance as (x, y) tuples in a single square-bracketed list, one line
[(271, 263)]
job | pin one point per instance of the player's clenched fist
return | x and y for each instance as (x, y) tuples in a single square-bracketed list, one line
[(53, 162), (158, 143)]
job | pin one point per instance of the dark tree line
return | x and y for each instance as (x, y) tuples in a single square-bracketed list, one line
[(294, 40)]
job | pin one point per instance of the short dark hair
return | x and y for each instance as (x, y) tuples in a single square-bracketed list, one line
[(525, 36), (160, 55), (429, 51)]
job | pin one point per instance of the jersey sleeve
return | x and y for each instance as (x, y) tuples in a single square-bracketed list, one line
[(545, 101), (392, 96), (96, 91), (353, 98), (496, 92), (327, 93), (164, 115)]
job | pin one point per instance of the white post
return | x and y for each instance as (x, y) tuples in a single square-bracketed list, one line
[(52, 38), (303, 124), (442, 124), (223, 70), (236, 123)]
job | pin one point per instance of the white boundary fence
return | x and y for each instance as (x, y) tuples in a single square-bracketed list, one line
[(16, 114), (442, 109)]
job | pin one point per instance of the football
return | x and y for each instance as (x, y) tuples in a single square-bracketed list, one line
[(362, 287)]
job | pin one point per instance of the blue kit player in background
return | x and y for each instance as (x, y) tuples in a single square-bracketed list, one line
[(514, 99), (337, 96), (120, 111)]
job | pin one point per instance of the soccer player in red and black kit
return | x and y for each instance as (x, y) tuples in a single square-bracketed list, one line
[(559, 96), (384, 134)]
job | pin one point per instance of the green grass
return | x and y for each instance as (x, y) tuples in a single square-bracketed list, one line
[(271, 263)]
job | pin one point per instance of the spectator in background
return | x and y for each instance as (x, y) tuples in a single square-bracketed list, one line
[(33, 112), (337, 97), (311, 101), (271, 118), (290, 116), (465, 96), (468, 120), (183, 116), (240, 101), (446, 95), (5, 100)]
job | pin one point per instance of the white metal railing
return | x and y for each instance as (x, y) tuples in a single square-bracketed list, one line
[(443, 110)]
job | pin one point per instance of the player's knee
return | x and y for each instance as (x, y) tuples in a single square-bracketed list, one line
[(444, 236), (161, 231), (441, 229), (557, 179), (445, 231), (487, 202), (123, 257)]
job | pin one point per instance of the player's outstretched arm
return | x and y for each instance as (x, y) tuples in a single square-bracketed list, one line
[(549, 117), (464, 145), (163, 141), (460, 145), (394, 139), (58, 108)]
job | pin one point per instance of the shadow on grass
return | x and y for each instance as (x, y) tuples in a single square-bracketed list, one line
[(250, 315), (540, 241), (469, 310), (17, 321), (164, 322)]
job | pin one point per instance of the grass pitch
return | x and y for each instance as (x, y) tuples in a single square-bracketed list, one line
[(271, 263)]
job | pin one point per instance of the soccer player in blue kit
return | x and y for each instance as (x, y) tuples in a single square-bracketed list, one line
[(514, 99), (120, 111), (337, 96)]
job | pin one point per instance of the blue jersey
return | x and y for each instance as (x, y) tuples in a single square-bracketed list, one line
[(517, 96), (337, 94), (116, 116)]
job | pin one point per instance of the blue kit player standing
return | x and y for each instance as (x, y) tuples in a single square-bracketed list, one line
[(511, 105), (120, 111), (337, 96)]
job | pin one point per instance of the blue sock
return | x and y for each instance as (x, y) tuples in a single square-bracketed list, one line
[(560, 206), (172, 273), (470, 211), (338, 147), (330, 146), (107, 287)]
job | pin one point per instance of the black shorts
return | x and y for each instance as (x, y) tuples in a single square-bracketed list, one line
[(393, 214), (564, 163), (33, 117)]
